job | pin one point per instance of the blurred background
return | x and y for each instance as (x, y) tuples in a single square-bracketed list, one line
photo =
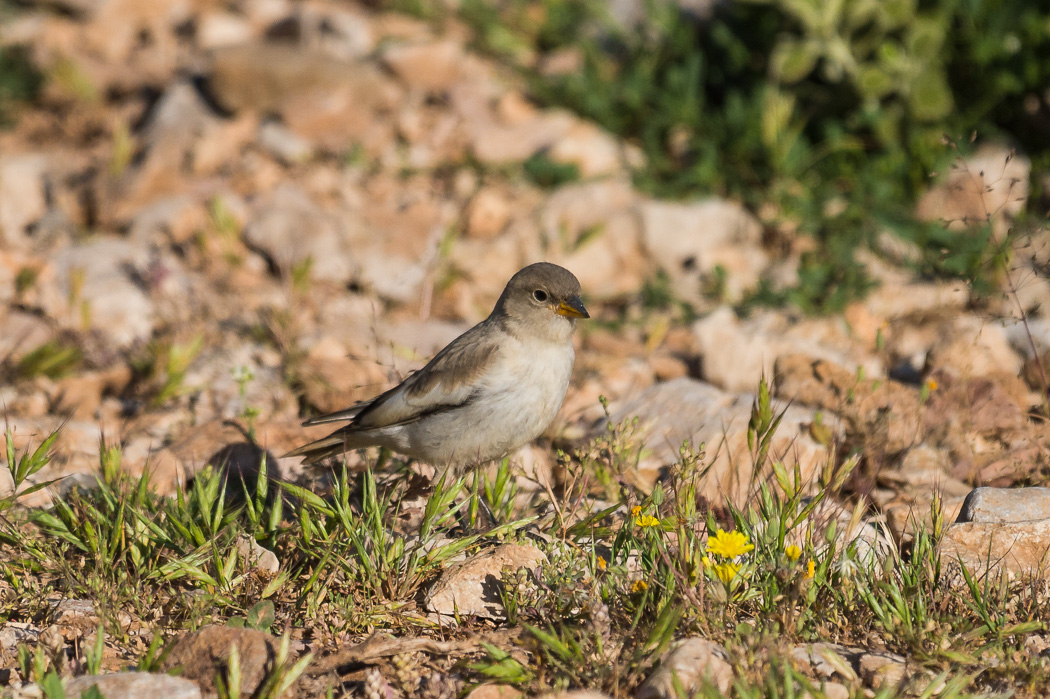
[(256, 210)]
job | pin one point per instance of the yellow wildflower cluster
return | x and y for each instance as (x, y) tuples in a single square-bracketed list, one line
[(793, 552), (641, 520), (726, 546), (729, 544)]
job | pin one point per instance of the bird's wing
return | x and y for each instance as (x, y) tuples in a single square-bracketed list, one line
[(449, 380)]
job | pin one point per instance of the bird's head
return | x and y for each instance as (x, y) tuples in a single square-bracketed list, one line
[(542, 300)]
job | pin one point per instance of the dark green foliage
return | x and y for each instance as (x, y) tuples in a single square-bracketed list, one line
[(19, 79)]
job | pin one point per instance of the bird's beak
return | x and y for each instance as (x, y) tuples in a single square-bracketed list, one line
[(572, 307)]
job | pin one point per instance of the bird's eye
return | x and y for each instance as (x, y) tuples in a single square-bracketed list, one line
[(540, 295)]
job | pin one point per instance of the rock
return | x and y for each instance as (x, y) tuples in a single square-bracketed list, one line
[(970, 346), (494, 691), (21, 333), (87, 284), (132, 685), (432, 66), (14, 632), (332, 103), (835, 690), (990, 185), (758, 342), (1000, 505), (182, 136), (1011, 549), (203, 655), (218, 29), (22, 195), (212, 380), (686, 410), (499, 144), (692, 663), (594, 151), (283, 144), (924, 469), (576, 694), (592, 229), (826, 660), (471, 588), (293, 231), (344, 32), (168, 220), (691, 241), (332, 379), (923, 474), (81, 395), (488, 213), (882, 670), (869, 406), (262, 560)]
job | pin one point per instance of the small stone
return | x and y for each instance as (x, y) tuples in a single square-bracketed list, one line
[(991, 184), (835, 690), (89, 284), (293, 231), (204, 654), (488, 213), (22, 194), (283, 144), (593, 151), (12, 633), (997, 505), (133, 685), (471, 588), (691, 242), (262, 559), (882, 670), (433, 66), (494, 691), (686, 410), (498, 144), (216, 29), (690, 664), (1012, 549)]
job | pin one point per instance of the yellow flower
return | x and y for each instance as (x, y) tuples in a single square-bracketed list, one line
[(729, 544), (601, 563), (636, 510), (707, 562), (811, 568), (639, 586), (647, 521), (931, 384), (793, 552), (726, 571)]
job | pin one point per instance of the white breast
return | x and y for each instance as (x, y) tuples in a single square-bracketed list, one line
[(517, 399)]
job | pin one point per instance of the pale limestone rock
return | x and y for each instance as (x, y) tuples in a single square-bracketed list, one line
[(471, 588), (690, 664)]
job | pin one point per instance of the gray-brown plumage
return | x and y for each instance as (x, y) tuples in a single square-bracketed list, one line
[(491, 390)]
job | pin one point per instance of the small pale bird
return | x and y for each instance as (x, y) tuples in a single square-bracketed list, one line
[(491, 390)]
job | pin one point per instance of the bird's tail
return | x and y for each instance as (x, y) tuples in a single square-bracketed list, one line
[(321, 449)]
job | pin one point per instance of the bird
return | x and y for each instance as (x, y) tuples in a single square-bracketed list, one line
[(493, 389)]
